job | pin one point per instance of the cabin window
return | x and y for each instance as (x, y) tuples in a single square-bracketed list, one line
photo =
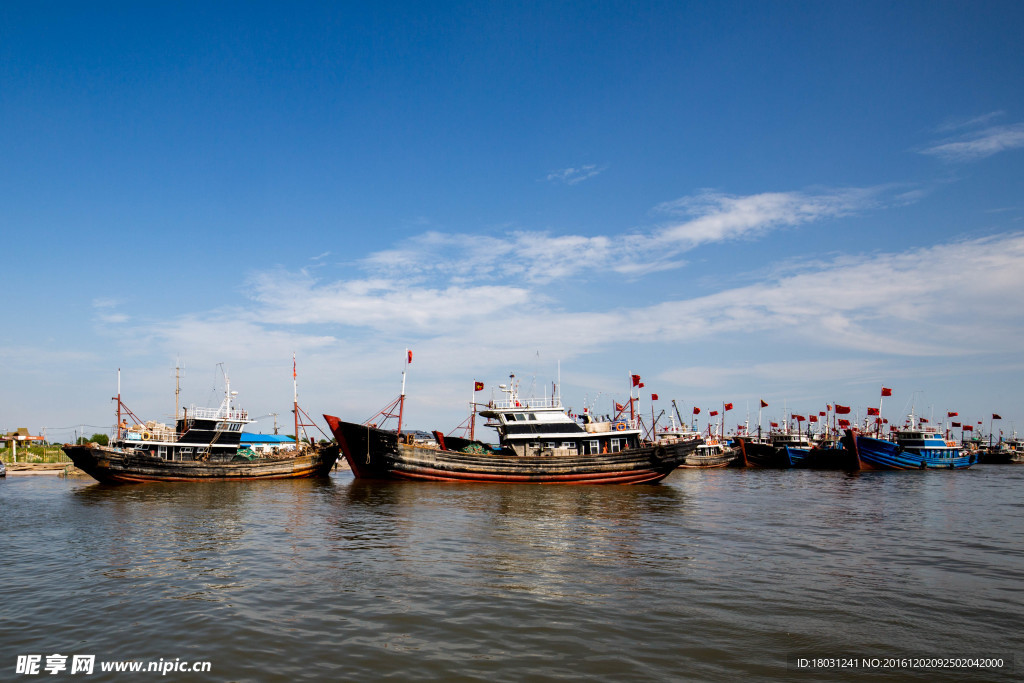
[(592, 446), (531, 416), (162, 452), (569, 446), (550, 444), (616, 445), (510, 417)]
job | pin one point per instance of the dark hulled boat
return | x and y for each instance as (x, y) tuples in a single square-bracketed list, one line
[(1003, 453), (204, 444), (780, 450), (539, 443)]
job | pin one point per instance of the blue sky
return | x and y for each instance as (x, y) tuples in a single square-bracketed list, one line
[(800, 202)]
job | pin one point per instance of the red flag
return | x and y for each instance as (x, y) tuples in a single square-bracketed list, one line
[(619, 407), (923, 420), (728, 406), (775, 424), (696, 410), (293, 366), (842, 410), (844, 423), (798, 418), (713, 413), (409, 352), (636, 380), (478, 386), (828, 406), (886, 392), (878, 420), (952, 414), (996, 417), (641, 385), (968, 428), (654, 397), (812, 418), (955, 424), (763, 403), (822, 413), (872, 411)]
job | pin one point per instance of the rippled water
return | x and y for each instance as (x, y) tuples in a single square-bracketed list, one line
[(711, 575)]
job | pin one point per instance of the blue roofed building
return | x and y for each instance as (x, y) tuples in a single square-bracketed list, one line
[(264, 443)]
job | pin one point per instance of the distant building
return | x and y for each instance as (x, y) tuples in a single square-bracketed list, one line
[(21, 434), (266, 442)]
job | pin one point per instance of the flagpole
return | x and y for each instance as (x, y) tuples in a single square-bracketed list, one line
[(401, 398), (295, 400)]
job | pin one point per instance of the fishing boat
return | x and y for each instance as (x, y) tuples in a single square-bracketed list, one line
[(779, 450), (538, 443), (914, 448), (710, 452), (203, 444), (830, 454), (1006, 452)]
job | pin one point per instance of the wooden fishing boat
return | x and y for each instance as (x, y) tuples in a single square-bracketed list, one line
[(538, 443), (203, 444), (711, 452)]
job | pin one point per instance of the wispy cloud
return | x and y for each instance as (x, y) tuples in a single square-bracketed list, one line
[(973, 122), (572, 176), (979, 144), (537, 257), (718, 217)]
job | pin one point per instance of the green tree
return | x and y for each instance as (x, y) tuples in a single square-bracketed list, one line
[(101, 439)]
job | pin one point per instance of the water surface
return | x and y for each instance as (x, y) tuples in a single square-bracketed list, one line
[(711, 575)]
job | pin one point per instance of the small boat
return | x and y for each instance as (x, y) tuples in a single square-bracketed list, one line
[(1006, 452), (711, 452), (203, 444), (915, 448), (538, 443)]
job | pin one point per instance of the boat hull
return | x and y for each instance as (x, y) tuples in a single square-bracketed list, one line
[(699, 461), (756, 454), (377, 454), (885, 455), (831, 458), (114, 466)]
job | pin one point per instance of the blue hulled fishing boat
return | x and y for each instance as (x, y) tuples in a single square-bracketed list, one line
[(916, 448)]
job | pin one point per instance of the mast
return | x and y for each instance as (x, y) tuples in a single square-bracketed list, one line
[(177, 387), (295, 402), (401, 398), (119, 403)]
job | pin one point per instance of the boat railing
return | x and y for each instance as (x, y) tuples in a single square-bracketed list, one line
[(217, 414), (528, 403)]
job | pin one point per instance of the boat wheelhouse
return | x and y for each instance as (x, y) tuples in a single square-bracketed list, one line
[(541, 427)]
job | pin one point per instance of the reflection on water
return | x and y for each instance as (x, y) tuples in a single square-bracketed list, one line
[(710, 575)]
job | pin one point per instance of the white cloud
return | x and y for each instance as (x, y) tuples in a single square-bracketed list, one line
[(980, 144), (718, 217), (537, 257), (572, 176)]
